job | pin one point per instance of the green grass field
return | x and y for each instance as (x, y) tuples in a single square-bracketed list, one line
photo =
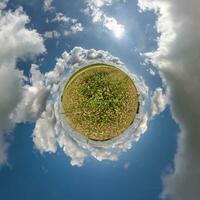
[(100, 101)]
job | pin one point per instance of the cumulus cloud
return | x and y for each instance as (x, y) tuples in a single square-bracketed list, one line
[(159, 102), (72, 149), (51, 129), (102, 154), (18, 42), (177, 59), (34, 97), (44, 135), (94, 9)]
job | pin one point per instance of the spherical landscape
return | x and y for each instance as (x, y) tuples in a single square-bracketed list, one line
[(100, 101)]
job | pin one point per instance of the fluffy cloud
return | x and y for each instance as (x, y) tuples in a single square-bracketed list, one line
[(34, 97), (51, 129), (94, 9), (75, 28), (72, 149), (44, 135), (159, 101), (178, 60), (17, 42)]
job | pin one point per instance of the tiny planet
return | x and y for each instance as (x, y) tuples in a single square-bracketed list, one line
[(100, 101)]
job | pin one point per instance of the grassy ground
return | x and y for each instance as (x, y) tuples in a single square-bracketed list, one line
[(100, 102)]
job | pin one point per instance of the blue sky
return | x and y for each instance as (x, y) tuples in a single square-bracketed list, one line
[(51, 176), (34, 169)]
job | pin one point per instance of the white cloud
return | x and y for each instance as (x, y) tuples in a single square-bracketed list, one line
[(52, 34), (48, 5), (159, 102), (74, 28), (94, 9), (51, 129), (68, 26), (17, 42), (178, 60), (34, 97), (77, 27), (111, 24), (61, 18), (102, 154), (44, 135), (72, 149), (151, 71)]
